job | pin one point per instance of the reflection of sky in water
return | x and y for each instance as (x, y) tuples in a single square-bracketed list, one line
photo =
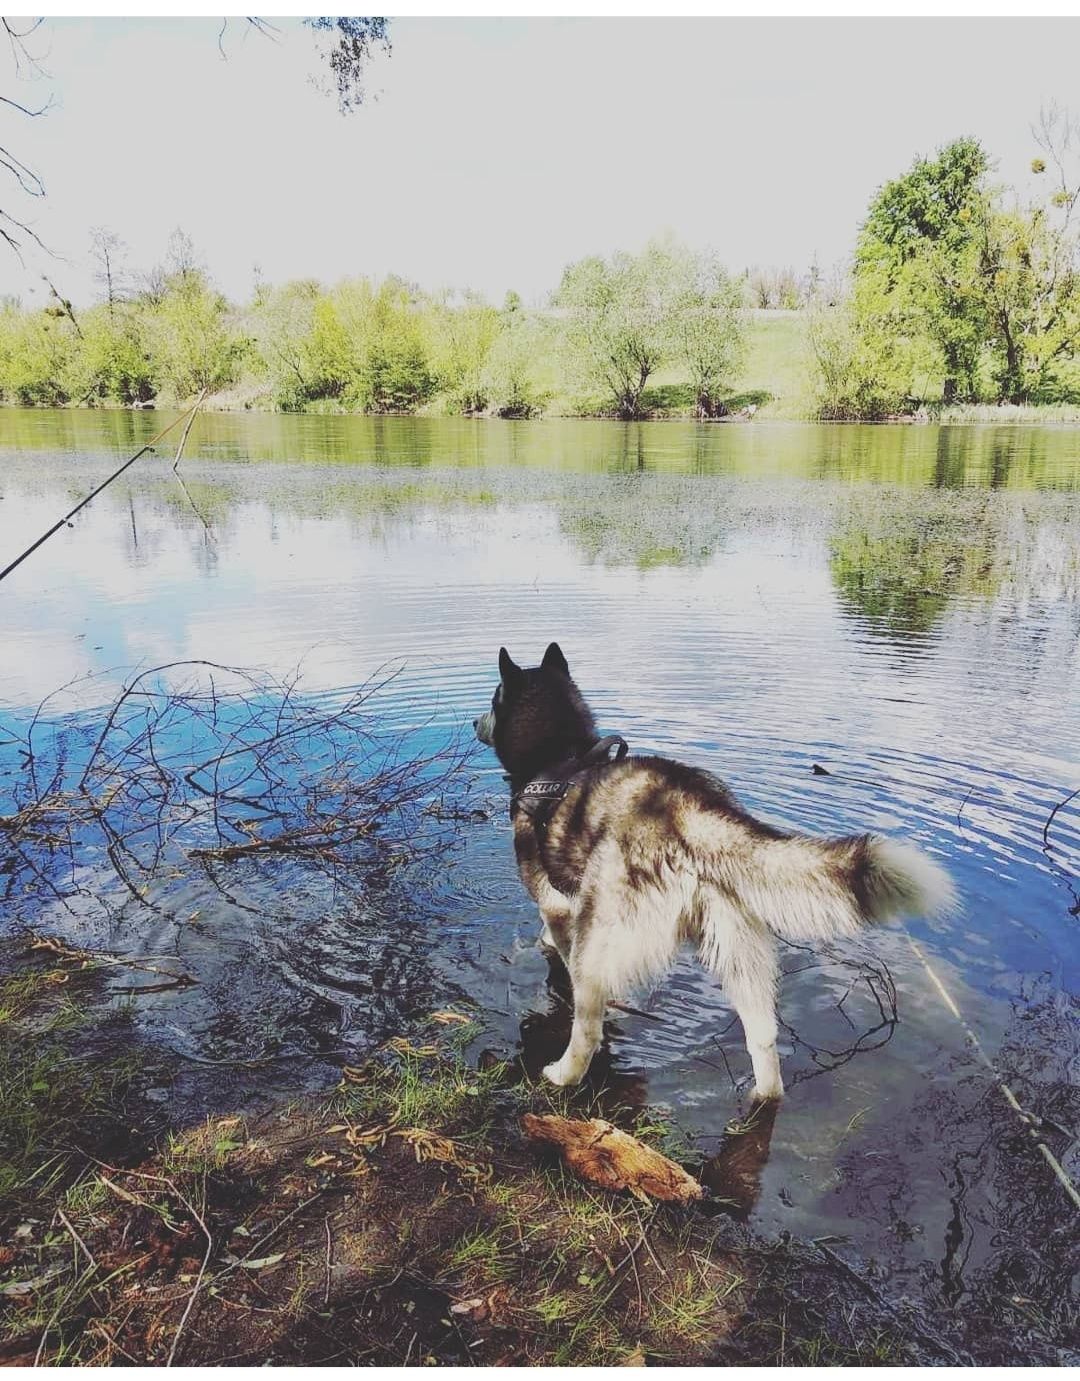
[(919, 643)]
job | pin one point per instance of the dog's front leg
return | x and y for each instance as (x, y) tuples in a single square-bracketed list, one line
[(590, 1002)]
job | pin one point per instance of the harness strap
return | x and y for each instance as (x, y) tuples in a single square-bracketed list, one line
[(539, 797)]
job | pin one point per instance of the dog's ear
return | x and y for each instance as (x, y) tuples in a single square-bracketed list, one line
[(554, 660), (509, 670)]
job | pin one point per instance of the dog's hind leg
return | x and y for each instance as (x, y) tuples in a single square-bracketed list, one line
[(742, 954)]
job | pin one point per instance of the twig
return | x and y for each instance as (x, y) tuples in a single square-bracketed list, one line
[(176, 464), (199, 1278), (272, 1233), (187, 428), (89, 1254), (1050, 818)]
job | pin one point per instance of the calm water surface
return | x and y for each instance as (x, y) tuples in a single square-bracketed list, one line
[(897, 606)]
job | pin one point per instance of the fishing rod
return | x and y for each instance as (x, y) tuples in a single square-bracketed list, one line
[(188, 416)]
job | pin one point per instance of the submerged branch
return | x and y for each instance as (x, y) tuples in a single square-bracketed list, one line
[(198, 770)]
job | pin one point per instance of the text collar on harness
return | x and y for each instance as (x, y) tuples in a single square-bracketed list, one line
[(539, 797)]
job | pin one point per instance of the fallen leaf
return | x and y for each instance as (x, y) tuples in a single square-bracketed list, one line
[(401, 1046), (635, 1358), (258, 1264), (475, 1309), (450, 1018)]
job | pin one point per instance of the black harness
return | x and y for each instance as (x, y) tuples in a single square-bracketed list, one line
[(539, 797)]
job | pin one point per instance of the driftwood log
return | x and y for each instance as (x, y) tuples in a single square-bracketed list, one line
[(601, 1153)]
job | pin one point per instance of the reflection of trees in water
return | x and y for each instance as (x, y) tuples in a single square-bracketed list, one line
[(954, 458), (902, 579), (647, 523), (898, 559)]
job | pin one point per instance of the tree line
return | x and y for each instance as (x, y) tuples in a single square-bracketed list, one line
[(388, 347), (961, 290)]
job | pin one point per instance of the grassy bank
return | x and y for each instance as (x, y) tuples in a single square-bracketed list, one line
[(401, 1218)]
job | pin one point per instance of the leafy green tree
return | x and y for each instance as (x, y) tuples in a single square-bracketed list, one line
[(1031, 290), (619, 320), (920, 246), (111, 363), (37, 351), (282, 323), (193, 342), (512, 375), (462, 341), (706, 329), (332, 350), (394, 373), (868, 362), (1029, 271)]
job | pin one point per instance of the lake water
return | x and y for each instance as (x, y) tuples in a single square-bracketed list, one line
[(897, 606)]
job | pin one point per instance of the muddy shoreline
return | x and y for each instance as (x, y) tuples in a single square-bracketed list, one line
[(399, 1218)]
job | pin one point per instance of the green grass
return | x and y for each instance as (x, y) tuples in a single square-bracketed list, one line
[(1008, 414), (49, 1095), (777, 364)]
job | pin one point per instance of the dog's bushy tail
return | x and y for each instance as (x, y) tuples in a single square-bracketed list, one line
[(810, 889)]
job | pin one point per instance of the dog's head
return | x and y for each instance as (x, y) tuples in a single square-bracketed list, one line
[(537, 716)]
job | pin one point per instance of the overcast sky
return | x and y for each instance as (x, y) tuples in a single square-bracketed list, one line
[(499, 150)]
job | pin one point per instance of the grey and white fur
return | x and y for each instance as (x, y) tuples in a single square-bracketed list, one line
[(645, 854)]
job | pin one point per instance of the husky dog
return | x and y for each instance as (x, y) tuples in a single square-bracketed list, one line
[(628, 858)]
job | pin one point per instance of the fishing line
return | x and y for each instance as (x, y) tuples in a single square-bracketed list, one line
[(1006, 1092), (189, 415)]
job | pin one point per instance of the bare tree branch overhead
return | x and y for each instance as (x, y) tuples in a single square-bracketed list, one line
[(345, 45)]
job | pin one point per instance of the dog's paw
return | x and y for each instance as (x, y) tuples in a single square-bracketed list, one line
[(563, 1073)]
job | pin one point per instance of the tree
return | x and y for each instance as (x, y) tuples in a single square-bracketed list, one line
[(463, 339), (111, 363), (348, 46), (707, 332), (868, 361), (193, 344), (920, 242), (1028, 271), (108, 253), (618, 312), (511, 375), (394, 374), (283, 320)]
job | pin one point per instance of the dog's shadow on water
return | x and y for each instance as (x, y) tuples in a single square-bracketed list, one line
[(732, 1175)]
